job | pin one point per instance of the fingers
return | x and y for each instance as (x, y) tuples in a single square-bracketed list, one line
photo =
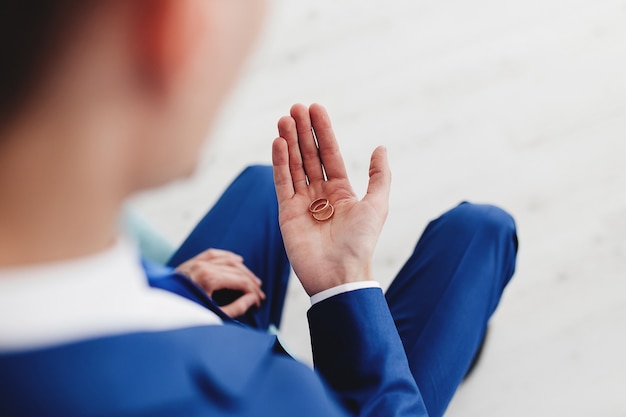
[(308, 146), (288, 131), (239, 307), (239, 277), (214, 254), (283, 181), (230, 259), (215, 275), (380, 180), (218, 275), (312, 151), (328, 147), (233, 277)]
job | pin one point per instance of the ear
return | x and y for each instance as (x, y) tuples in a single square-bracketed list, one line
[(168, 34)]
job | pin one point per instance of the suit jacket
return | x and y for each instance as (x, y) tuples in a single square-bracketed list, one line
[(226, 370)]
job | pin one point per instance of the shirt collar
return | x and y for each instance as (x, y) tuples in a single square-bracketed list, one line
[(102, 294)]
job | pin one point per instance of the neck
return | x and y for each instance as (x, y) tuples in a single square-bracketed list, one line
[(59, 200)]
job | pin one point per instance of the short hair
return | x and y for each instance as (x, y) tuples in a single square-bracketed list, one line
[(31, 31)]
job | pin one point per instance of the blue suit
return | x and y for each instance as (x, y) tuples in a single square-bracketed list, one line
[(402, 354), (216, 371)]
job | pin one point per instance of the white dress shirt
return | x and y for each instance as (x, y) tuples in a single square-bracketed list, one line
[(99, 295)]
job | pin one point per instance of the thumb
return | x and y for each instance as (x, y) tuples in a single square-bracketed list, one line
[(380, 179)]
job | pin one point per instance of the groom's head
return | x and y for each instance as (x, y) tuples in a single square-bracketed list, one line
[(149, 72)]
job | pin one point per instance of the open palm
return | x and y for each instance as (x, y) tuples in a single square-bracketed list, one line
[(307, 166)]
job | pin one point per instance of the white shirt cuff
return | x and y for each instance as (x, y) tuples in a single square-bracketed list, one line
[(340, 289)]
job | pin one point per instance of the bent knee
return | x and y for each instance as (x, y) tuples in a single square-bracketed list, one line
[(470, 217), (257, 175), (258, 171)]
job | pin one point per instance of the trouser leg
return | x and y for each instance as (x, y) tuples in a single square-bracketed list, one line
[(445, 294), (245, 221)]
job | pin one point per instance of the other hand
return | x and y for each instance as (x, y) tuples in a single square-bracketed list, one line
[(216, 269)]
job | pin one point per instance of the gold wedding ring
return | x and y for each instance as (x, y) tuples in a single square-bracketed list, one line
[(322, 210)]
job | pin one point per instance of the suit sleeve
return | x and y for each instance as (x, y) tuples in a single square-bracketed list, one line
[(357, 350)]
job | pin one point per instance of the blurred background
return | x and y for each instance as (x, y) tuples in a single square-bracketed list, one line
[(516, 103)]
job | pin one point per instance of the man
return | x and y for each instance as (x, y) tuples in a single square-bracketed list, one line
[(106, 97)]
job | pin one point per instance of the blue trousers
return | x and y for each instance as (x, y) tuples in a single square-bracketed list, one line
[(441, 300)]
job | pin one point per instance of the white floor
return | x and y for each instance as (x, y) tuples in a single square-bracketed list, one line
[(517, 103)]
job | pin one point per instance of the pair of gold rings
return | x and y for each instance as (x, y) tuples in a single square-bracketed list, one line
[(322, 210)]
